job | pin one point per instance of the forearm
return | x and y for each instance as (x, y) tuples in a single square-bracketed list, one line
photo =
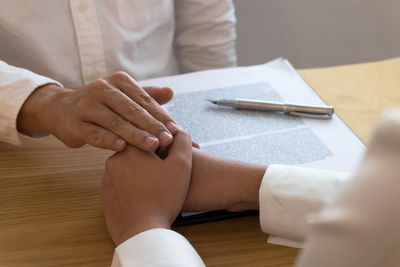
[(219, 183), (285, 195)]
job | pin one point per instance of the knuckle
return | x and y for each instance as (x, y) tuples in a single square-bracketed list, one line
[(120, 75), (113, 95), (116, 123), (160, 114), (139, 117), (133, 109), (147, 100), (96, 137), (136, 117), (156, 125), (96, 89), (97, 85), (153, 126)]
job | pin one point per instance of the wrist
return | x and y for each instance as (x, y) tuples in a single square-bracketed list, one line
[(37, 115), (248, 187), (140, 226)]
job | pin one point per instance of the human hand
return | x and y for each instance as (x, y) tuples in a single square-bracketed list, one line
[(218, 183), (107, 113), (140, 191)]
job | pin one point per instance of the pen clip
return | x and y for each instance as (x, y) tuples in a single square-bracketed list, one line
[(314, 115)]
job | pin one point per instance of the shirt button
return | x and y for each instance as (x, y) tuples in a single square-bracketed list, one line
[(82, 7)]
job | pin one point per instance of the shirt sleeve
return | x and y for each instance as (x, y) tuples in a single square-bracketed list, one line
[(205, 34), (156, 247), (289, 195), (361, 227), (16, 85)]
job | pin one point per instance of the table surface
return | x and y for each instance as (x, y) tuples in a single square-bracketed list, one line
[(50, 211)]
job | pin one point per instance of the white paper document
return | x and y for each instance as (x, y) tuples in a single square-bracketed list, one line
[(257, 136)]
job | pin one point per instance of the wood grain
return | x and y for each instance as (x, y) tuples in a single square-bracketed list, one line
[(360, 93), (50, 211)]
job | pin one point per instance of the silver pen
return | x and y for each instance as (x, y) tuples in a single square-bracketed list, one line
[(323, 112)]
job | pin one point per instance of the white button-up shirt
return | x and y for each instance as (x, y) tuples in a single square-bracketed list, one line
[(76, 41)]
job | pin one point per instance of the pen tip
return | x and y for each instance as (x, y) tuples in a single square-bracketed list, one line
[(212, 101)]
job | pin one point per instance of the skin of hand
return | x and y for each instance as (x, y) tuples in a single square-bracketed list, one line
[(218, 183), (141, 191), (107, 113)]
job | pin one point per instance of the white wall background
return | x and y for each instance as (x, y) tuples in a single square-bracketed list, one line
[(315, 33)]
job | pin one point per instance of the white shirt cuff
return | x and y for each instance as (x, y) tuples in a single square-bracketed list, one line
[(290, 194), (156, 247), (16, 85)]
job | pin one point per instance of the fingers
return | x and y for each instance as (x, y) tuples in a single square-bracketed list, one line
[(138, 116), (181, 148), (195, 145), (124, 109), (160, 94), (130, 87), (110, 120), (100, 137), (134, 154)]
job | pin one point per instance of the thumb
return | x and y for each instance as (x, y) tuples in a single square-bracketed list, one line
[(160, 94), (181, 148)]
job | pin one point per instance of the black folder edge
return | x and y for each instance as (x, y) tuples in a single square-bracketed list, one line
[(211, 216)]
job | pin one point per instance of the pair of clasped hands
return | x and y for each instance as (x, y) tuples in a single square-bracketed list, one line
[(140, 189)]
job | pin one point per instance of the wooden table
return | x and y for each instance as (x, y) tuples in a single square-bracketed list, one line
[(50, 211)]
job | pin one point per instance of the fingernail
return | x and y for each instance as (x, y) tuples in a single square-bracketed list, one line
[(165, 136), (172, 127), (150, 141), (119, 143)]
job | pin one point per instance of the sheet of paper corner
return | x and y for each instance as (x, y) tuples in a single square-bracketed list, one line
[(276, 70)]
